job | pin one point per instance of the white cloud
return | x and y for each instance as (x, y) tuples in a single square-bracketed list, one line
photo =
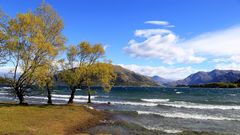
[(166, 72), (161, 23), (151, 32), (105, 47), (229, 63), (235, 58), (228, 66), (219, 43), (170, 26), (232, 59), (6, 70), (161, 44)]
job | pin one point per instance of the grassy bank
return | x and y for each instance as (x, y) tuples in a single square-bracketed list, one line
[(47, 120)]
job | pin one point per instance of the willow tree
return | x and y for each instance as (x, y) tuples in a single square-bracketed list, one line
[(98, 74), (70, 75), (79, 64), (33, 40), (45, 78), (53, 32)]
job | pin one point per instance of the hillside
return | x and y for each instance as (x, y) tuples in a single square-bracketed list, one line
[(126, 77), (210, 77), (161, 80)]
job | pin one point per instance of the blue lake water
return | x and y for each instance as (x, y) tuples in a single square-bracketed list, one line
[(170, 110)]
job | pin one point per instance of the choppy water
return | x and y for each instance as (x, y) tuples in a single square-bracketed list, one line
[(170, 110)]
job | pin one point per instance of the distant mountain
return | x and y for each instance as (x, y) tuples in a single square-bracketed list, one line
[(161, 80), (209, 77), (126, 77)]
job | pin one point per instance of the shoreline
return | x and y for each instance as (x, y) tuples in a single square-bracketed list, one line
[(57, 119), (101, 122), (114, 124)]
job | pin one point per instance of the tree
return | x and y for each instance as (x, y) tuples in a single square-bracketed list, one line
[(99, 74), (71, 75), (33, 40), (45, 77), (53, 29), (82, 66)]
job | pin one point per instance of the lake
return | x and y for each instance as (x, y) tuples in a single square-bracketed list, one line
[(170, 110)]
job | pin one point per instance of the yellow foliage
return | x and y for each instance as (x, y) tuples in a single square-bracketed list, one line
[(84, 67), (104, 74), (34, 39)]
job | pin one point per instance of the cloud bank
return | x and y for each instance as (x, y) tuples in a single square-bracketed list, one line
[(166, 72), (161, 44), (221, 43), (220, 48), (165, 45)]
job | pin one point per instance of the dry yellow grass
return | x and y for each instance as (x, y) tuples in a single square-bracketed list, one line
[(46, 120)]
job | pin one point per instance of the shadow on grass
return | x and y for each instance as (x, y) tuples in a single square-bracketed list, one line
[(9, 104)]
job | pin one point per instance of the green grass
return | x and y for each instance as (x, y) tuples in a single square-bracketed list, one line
[(46, 120)]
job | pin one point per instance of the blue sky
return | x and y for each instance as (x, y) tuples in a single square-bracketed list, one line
[(170, 38)]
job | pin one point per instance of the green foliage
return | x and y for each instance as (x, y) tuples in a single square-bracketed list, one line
[(92, 92), (3, 80)]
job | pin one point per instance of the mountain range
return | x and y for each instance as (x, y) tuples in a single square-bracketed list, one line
[(213, 76), (126, 77), (161, 81)]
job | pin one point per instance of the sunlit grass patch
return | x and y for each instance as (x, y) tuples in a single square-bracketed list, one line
[(43, 119)]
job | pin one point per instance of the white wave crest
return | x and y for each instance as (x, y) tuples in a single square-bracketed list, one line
[(170, 131), (134, 103), (6, 88), (127, 103), (155, 100), (56, 98), (233, 95), (76, 96), (103, 96), (97, 101), (181, 104), (36, 97), (187, 116), (4, 93)]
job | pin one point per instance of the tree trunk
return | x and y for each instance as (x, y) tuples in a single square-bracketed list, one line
[(20, 97), (89, 97), (49, 95), (73, 89)]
